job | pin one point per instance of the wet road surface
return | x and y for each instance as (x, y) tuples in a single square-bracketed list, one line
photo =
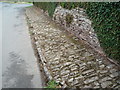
[(19, 64)]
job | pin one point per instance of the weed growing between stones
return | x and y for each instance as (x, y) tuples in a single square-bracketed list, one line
[(52, 84)]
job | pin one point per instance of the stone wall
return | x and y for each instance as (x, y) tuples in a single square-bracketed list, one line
[(67, 61), (76, 22)]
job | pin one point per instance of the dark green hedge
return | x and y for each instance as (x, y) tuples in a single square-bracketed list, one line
[(47, 6), (106, 21)]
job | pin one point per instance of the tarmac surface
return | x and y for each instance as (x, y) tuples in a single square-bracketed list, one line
[(19, 64)]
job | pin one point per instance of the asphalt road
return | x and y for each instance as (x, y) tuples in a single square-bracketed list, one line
[(0, 47), (19, 64)]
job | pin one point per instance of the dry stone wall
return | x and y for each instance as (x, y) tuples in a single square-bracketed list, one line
[(67, 62), (76, 22)]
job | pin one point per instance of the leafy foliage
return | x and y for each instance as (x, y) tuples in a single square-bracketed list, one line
[(106, 22), (52, 84), (47, 6)]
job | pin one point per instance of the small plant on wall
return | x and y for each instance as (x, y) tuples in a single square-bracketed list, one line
[(69, 19)]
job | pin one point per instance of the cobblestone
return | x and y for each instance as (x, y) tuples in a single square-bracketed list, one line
[(105, 79), (68, 62), (106, 84), (114, 74), (88, 71), (91, 80)]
